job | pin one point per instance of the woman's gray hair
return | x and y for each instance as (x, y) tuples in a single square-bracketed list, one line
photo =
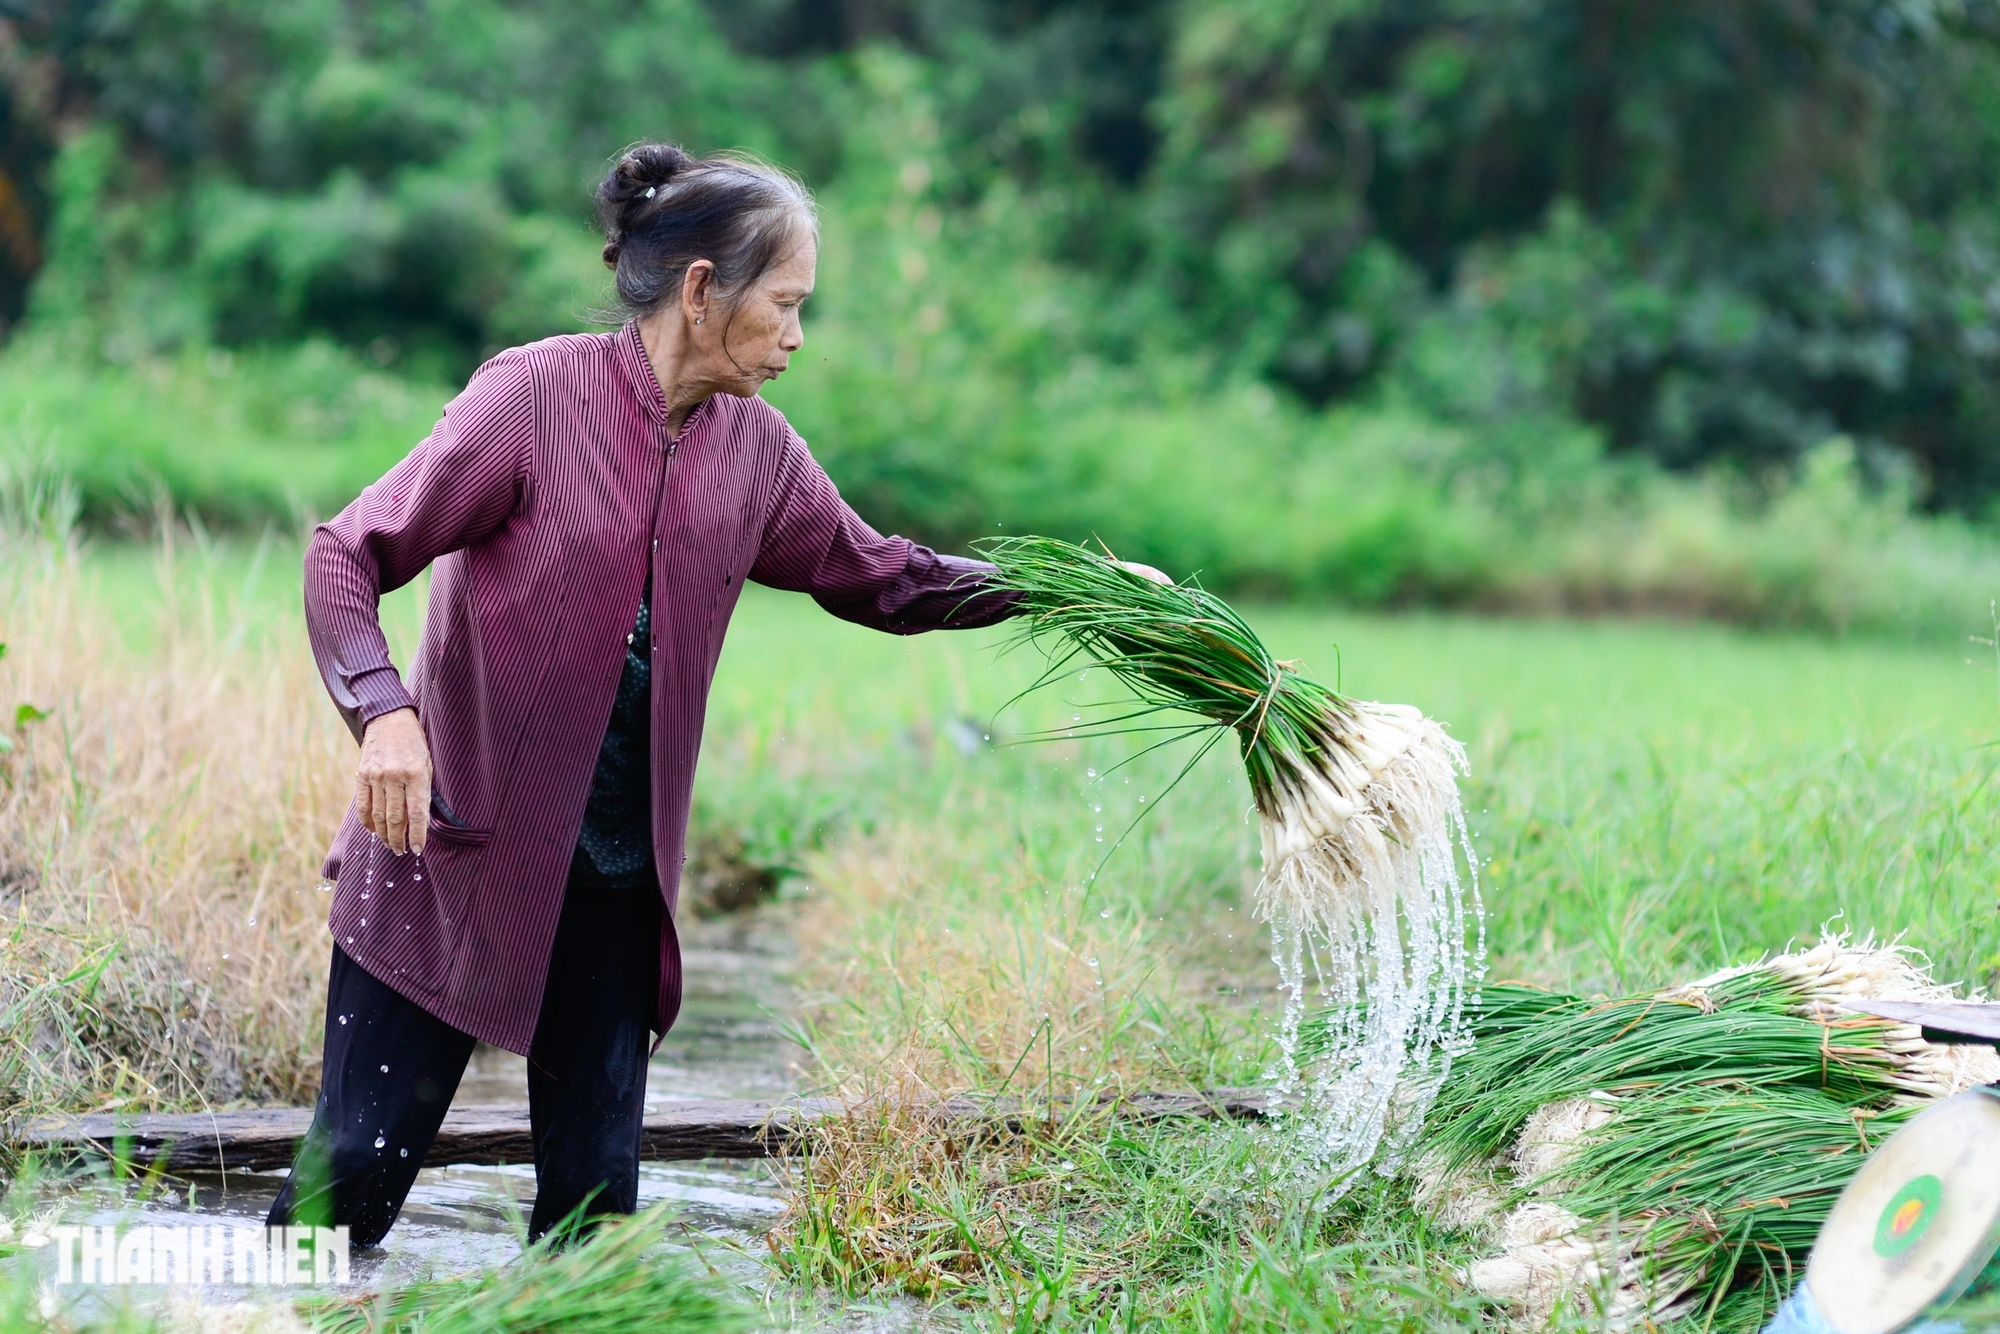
[(663, 209)]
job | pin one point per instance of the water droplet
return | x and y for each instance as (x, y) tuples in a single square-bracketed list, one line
[(350, 940), (385, 1069), (379, 1141), (1090, 773), (1105, 913), (391, 884), (364, 921), (418, 876), (253, 921), (225, 953), (402, 1153)]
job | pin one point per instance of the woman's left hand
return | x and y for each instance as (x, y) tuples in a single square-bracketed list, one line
[(392, 783), (1147, 572)]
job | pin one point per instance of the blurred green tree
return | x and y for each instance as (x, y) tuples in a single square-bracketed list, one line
[(410, 178), (1715, 229)]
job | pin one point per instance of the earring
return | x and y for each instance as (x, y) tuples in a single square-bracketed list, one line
[(699, 318)]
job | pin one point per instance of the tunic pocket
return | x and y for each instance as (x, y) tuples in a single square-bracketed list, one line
[(446, 831), (446, 824)]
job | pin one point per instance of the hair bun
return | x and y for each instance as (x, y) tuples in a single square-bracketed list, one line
[(647, 166), (635, 179)]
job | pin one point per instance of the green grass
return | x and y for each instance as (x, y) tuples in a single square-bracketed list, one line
[(1367, 505), (1654, 800), (619, 1281), (246, 438), (614, 1284)]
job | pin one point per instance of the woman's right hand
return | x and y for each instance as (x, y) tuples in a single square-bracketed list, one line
[(392, 784)]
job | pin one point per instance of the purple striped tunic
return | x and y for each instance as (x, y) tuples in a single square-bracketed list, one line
[(540, 496)]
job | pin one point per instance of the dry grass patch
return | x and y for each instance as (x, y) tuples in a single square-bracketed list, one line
[(940, 963), (942, 960), (164, 806)]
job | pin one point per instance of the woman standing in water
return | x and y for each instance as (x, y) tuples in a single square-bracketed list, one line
[(590, 506)]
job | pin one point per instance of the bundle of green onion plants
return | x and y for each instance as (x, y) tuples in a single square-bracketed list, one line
[(1673, 1155), (1361, 827)]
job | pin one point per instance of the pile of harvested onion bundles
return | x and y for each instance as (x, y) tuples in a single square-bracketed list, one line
[(1672, 1155), (1361, 828)]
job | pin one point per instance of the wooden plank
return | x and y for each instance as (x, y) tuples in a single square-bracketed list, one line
[(1941, 1022), (198, 1142), (262, 1139)]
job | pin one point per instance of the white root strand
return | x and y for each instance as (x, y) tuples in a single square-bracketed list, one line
[(1369, 915)]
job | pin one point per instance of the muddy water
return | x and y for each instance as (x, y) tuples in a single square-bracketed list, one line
[(728, 1042)]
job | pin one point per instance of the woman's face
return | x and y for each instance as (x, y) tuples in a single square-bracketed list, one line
[(747, 347)]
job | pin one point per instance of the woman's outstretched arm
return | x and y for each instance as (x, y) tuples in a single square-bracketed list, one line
[(814, 543)]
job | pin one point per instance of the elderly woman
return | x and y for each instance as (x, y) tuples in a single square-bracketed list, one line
[(590, 507)]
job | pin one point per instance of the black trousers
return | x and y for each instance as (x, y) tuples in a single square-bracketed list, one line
[(391, 1068)]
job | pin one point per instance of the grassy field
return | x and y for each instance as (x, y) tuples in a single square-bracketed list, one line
[(1649, 801), (1654, 797), (1369, 506)]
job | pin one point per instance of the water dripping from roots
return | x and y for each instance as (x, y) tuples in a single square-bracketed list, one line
[(1378, 977)]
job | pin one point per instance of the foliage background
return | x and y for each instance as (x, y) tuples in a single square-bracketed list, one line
[(1685, 306), (1577, 304)]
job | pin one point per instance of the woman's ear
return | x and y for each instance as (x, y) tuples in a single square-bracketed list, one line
[(696, 285)]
